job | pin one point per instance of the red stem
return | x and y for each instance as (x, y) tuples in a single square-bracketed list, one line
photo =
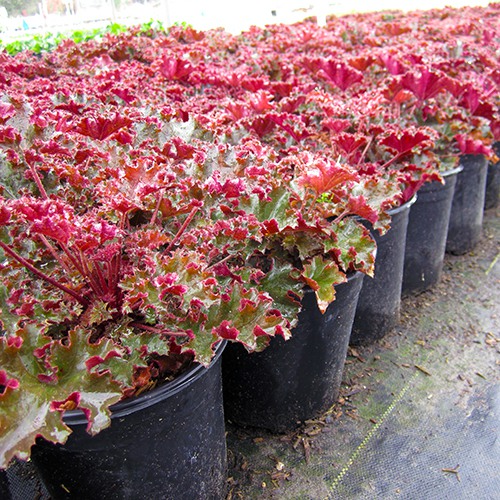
[(117, 264), (363, 154), (226, 258), (153, 329), (100, 278), (53, 252), (73, 259), (157, 208), (38, 181), (341, 216), (183, 228), (85, 271), (43, 276), (393, 159)]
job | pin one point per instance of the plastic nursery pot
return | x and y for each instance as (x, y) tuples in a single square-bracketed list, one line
[(492, 193), (4, 486), (166, 443), (380, 297), (426, 234), (294, 380), (466, 217)]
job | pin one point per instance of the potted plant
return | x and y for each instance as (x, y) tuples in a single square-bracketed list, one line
[(112, 310), (380, 298), (493, 177), (313, 229), (466, 216)]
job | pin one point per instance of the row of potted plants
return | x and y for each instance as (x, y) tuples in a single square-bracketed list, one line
[(166, 192)]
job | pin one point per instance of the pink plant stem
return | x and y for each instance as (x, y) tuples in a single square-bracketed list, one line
[(341, 216), (42, 275), (100, 278), (158, 331), (95, 285), (54, 254), (38, 181), (117, 264), (363, 154), (116, 271), (182, 228), (72, 258), (226, 258), (157, 208), (392, 160)]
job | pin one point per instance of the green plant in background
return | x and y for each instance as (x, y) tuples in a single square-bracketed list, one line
[(45, 42)]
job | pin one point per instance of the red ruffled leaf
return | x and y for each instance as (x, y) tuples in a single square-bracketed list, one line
[(424, 83), (7, 384), (261, 101), (226, 331), (173, 68), (70, 403), (339, 73), (324, 176), (469, 146), (6, 111), (403, 142), (262, 125), (358, 205), (100, 127)]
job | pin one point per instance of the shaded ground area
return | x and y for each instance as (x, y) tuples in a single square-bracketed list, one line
[(419, 412)]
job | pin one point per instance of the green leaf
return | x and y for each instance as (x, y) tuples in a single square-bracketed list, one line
[(281, 285), (246, 313), (357, 248), (276, 209), (26, 413), (321, 275), (13, 179), (381, 193), (307, 243)]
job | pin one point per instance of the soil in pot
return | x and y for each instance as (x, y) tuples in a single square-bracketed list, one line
[(294, 380), (165, 443), (466, 217), (426, 234), (380, 297)]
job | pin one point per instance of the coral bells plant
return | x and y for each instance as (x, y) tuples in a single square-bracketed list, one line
[(106, 287), (132, 243), (162, 191)]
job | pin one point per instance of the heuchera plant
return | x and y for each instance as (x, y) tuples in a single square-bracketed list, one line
[(132, 246), (108, 286), (164, 191)]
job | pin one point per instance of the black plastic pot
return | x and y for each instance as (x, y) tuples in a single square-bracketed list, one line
[(380, 297), (166, 443), (426, 234), (294, 380), (492, 194), (466, 217)]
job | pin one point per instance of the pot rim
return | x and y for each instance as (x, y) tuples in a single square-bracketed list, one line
[(403, 207), (453, 171), (351, 275), (149, 398)]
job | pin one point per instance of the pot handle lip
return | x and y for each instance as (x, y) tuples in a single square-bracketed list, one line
[(453, 171), (403, 207), (149, 398)]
